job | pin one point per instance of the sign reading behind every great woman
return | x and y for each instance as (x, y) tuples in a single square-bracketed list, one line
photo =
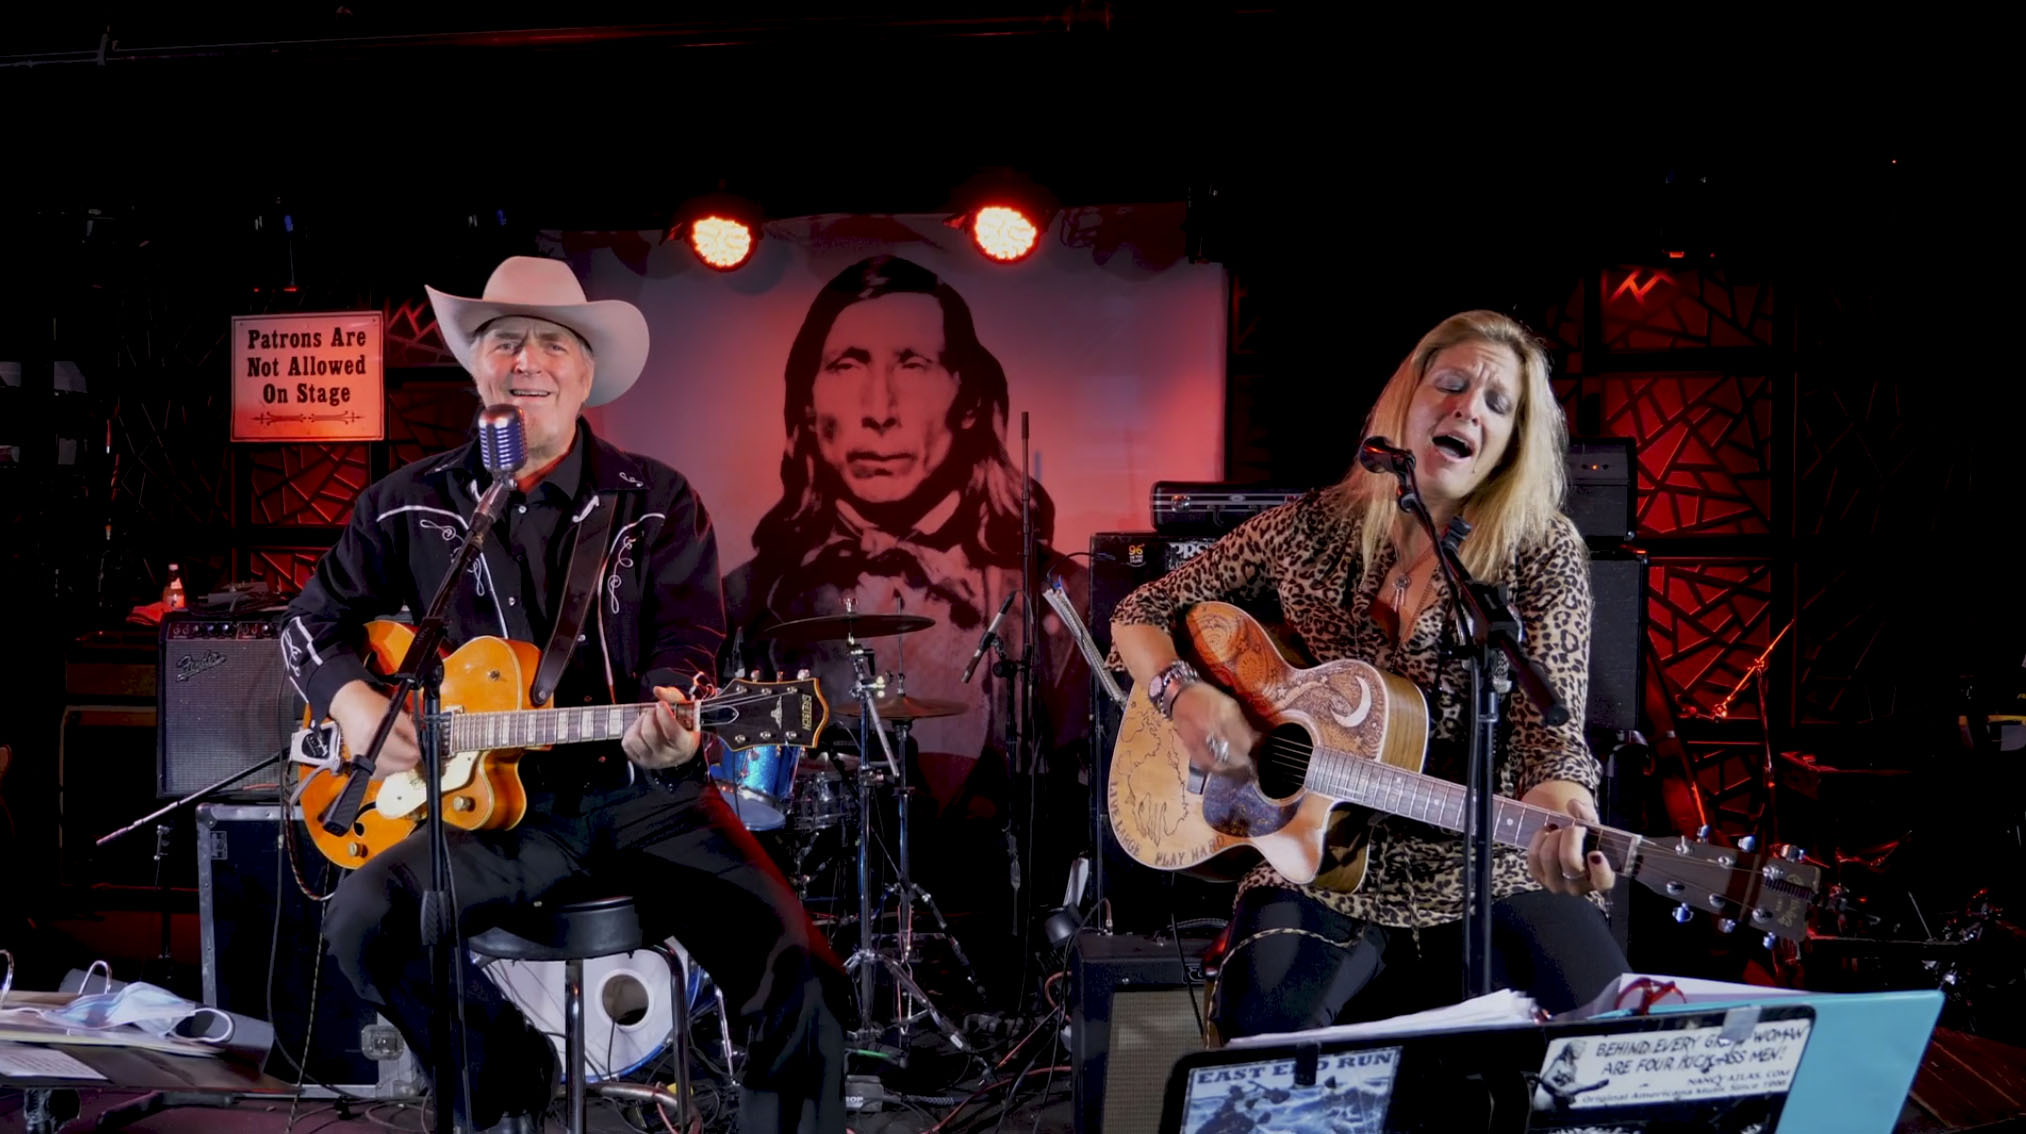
[(314, 377)]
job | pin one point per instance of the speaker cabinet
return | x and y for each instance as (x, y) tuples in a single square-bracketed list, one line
[(241, 872), (1617, 639), (226, 702), (1602, 488), (1134, 1012)]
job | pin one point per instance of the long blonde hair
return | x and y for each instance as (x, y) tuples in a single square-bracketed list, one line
[(1520, 502)]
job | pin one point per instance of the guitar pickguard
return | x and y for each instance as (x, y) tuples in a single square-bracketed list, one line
[(406, 793)]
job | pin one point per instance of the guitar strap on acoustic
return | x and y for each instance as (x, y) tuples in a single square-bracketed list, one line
[(587, 555)]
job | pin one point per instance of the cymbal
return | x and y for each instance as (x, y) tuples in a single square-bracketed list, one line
[(905, 708), (844, 626)]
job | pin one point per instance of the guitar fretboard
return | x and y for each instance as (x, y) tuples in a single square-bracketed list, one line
[(1439, 803), (532, 728)]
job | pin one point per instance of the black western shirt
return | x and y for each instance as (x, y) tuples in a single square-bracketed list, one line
[(657, 618)]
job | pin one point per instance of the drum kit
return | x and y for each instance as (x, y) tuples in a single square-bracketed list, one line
[(803, 795), (797, 795)]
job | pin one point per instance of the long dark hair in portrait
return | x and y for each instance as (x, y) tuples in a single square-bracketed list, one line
[(987, 520)]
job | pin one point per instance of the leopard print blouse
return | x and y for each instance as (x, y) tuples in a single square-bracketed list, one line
[(1299, 566)]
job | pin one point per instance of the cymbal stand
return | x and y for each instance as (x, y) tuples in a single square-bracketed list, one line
[(866, 957)]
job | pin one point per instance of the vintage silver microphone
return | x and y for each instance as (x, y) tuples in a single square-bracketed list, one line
[(503, 447)]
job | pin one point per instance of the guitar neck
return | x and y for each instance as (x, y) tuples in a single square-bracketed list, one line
[(1440, 803), (536, 728)]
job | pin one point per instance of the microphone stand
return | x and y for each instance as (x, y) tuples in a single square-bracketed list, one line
[(1488, 637), (421, 673), (163, 972), (1020, 701)]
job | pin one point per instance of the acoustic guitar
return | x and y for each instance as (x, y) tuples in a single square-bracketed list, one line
[(1346, 732), (488, 724)]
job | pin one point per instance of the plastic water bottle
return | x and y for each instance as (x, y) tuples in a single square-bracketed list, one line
[(173, 597)]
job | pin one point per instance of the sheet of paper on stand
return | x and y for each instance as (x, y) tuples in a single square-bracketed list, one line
[(42, 1063), (1504, 1008), (1634, 992)]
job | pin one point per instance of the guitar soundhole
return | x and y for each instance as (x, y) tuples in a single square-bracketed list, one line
[(1283, 761)]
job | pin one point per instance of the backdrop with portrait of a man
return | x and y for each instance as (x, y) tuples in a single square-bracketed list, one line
[(848, 404)]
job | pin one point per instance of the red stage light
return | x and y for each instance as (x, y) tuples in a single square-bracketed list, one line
[(1004, 233), (721, 242)]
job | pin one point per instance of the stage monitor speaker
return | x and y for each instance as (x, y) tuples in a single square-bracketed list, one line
[(226, 702), (1133, 1013), (241, 872)]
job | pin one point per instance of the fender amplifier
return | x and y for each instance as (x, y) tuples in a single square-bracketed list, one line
[(226, 702), (1136, 1006)]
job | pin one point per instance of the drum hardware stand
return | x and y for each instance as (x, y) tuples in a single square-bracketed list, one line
[(866, 957), (908, 892)]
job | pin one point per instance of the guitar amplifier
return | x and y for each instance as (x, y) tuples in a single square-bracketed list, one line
[(1602, 486), (1199, 508), (1134, 1010), (226, 702)]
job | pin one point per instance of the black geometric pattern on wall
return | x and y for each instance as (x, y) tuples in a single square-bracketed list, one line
[(1845, 621), (1706, 622), (171, 461), (283, 569), (1879, 455), (1704, 445), (413, 339), (427, 417), (1680, 308), (305, 484), (1562, 328)]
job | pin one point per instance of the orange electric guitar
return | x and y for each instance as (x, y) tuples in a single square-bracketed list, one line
[(488, 725), (1346, 732)]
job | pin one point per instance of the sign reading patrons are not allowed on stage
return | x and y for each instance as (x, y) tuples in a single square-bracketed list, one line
[(309, 377)]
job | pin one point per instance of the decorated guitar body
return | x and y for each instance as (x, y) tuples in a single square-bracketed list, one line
[(488, 725), (1345, 732), (1349, 705)]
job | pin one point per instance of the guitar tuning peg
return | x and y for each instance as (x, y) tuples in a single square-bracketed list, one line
[(1683, 912), (1727, 924), (1771, 941), (740, 675), (803, 674), (1790, 852), (1702, 833), (1748, 843)]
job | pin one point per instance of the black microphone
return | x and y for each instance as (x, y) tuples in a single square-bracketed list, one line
[(1381, 456), (502, 439), (985, 642)]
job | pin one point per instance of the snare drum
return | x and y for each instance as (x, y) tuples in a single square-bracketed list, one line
[(759, 784), (822, 799)]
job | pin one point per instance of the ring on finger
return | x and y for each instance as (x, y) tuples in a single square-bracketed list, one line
[(1220, 749)]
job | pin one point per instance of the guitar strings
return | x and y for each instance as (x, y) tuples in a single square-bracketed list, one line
[(1289, 754)]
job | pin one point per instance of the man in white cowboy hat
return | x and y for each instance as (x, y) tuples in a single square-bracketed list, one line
[(610, 559)]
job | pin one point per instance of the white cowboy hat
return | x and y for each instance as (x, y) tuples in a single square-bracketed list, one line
[(547, 289)]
